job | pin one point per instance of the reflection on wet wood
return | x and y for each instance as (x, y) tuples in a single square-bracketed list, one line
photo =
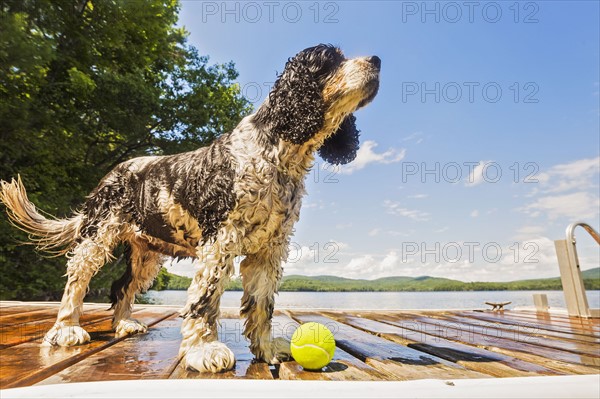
[(521, 345), (142, 356), (390, 345), (471, 357), (398, 361), (29, 363)]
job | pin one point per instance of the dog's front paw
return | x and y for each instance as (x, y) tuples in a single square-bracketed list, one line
[(128, 327), (62, 335), (209, 357), (277, 351)]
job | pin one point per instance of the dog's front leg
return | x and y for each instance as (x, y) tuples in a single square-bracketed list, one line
[(261, 274), (200, 350)]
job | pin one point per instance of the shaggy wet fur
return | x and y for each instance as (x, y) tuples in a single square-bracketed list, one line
[(239, 196)]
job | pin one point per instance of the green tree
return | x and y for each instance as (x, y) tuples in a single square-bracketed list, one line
[(86, 85), (162, 280)]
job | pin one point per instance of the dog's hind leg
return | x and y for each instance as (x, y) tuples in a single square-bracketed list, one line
[(142, 267), (261, 274), (85, 261), (200, 350)]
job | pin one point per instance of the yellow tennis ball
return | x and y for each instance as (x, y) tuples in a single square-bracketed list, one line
[(312, 346)]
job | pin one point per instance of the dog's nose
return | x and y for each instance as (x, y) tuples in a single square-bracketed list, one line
[(376, 61)]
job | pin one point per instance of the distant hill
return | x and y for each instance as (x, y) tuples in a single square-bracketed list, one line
[(591, 273), (427, 283), (591, 277)]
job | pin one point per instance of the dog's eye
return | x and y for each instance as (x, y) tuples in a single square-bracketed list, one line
[(327, 63)]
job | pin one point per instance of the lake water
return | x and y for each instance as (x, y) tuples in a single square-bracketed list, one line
[(383, 300)]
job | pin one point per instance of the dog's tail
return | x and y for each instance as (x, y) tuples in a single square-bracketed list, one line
[(49, 234)]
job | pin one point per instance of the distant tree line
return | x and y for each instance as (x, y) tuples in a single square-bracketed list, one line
[(389, 284)]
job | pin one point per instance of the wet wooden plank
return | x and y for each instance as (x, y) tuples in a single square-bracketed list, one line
[(26, 317), (9, 310), (396, 361), (533, 333), (574, 323), (25, 332), (473, 358), (152, 355), (40, 314), (337, 370), (518, 328), (557, 317), (343, 367), (29, 363), (371, 346), (539, 324), (230, 333), (570, 324), (524, 347)]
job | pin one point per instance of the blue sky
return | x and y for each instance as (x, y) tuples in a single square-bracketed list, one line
[(481, 146)]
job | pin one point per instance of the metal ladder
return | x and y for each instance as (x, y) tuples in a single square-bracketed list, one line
[(570, 273)]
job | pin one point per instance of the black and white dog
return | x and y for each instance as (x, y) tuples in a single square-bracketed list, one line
[(239, 196)]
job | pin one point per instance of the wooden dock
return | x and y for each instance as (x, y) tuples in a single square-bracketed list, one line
[(371, 346)]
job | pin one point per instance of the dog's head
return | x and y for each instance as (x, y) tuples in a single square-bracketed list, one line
[(313, 100)]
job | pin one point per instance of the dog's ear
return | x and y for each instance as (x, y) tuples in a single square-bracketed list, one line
[(295, 110), (340, 148)]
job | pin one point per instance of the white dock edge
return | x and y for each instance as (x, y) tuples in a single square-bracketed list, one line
[(579, 386)]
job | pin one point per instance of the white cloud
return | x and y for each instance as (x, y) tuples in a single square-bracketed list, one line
[(394, 208), (184, 267), (530, 257), (359, 266), (534, 258), (477, 174), (395, 233), (575, 175), (366, 155), (339, 245), (474, 213), (343, 226), (301, 260), (373, 266), (314, 205), (417, 137), (529, 232), (418, 196), (579, 205), (567, 191), (391, 233)]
